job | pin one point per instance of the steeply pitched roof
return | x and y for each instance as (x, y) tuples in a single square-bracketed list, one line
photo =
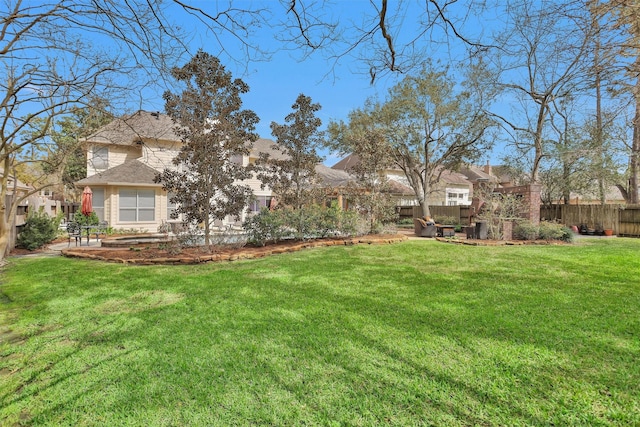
[(347, 163), (133, 172), (130, 129)]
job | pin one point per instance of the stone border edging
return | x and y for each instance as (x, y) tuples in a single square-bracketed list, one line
[(240, 255)]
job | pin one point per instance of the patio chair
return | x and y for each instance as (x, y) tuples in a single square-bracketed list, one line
[(422, 229), (101, 229), (74, 232)]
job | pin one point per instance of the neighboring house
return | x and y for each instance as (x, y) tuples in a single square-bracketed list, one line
[(124, 157), (452, 189), (613, 196)]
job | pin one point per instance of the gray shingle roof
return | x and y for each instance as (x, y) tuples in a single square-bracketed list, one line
[(333, 177), (141, 125), (133, 172)]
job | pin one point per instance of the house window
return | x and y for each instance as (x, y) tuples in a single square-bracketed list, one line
[(258, 203), (137, 205), (98, 202), (100, 157), (452, 203)]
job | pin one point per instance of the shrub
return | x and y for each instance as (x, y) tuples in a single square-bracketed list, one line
[(549, 231), (310, 222), (266, 226), (554, 231), (567, 234), (445, 220), (39, 229), (525, 230)]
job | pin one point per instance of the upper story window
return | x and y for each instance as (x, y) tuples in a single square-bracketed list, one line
[(100, 158)]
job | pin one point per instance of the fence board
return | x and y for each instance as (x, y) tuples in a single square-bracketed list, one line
[(624, 221), (629, 221)]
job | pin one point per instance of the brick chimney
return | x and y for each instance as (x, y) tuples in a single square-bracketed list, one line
[(487, 168)]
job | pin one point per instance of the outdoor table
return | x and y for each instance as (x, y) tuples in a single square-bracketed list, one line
[(445, 230)]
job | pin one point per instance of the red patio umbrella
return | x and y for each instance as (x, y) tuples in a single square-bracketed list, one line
[(87, 201)]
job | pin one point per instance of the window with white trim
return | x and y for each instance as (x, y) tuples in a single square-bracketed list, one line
[(137, 205), (258, 203), (100, 158), (98, 202)]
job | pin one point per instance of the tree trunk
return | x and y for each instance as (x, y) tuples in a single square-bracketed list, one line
[(5, 233), (634, 158), (424, 204)]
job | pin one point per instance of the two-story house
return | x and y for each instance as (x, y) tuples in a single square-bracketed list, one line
[(124, 157)]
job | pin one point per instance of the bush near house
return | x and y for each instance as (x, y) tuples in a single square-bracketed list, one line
[(525, 230), (39, 229), (315, 221)]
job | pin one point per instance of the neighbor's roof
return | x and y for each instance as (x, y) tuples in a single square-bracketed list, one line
[(448, 177), (20, 185), (133, 172), (140, 125), (476, 173), (398, 188), (612, 194), (332, 177), (347, 163)]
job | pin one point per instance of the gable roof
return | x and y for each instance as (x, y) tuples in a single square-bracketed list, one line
[(130, 129), (133, 172), (347, 163), (399, 189)]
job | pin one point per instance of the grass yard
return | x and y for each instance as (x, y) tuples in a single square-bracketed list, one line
[(416, 333)]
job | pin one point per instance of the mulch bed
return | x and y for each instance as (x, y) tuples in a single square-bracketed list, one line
[(155, 254)]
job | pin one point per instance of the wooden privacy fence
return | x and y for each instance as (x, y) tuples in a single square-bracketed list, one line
[(460, 212), (623, 220)]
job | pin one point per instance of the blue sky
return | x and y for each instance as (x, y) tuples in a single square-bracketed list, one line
[(275, 84)]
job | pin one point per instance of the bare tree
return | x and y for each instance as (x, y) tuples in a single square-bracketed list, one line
[(542, 60), (388, 37), (625, 20)]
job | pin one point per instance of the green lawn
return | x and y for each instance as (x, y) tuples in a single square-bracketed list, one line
[(416, 333)]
